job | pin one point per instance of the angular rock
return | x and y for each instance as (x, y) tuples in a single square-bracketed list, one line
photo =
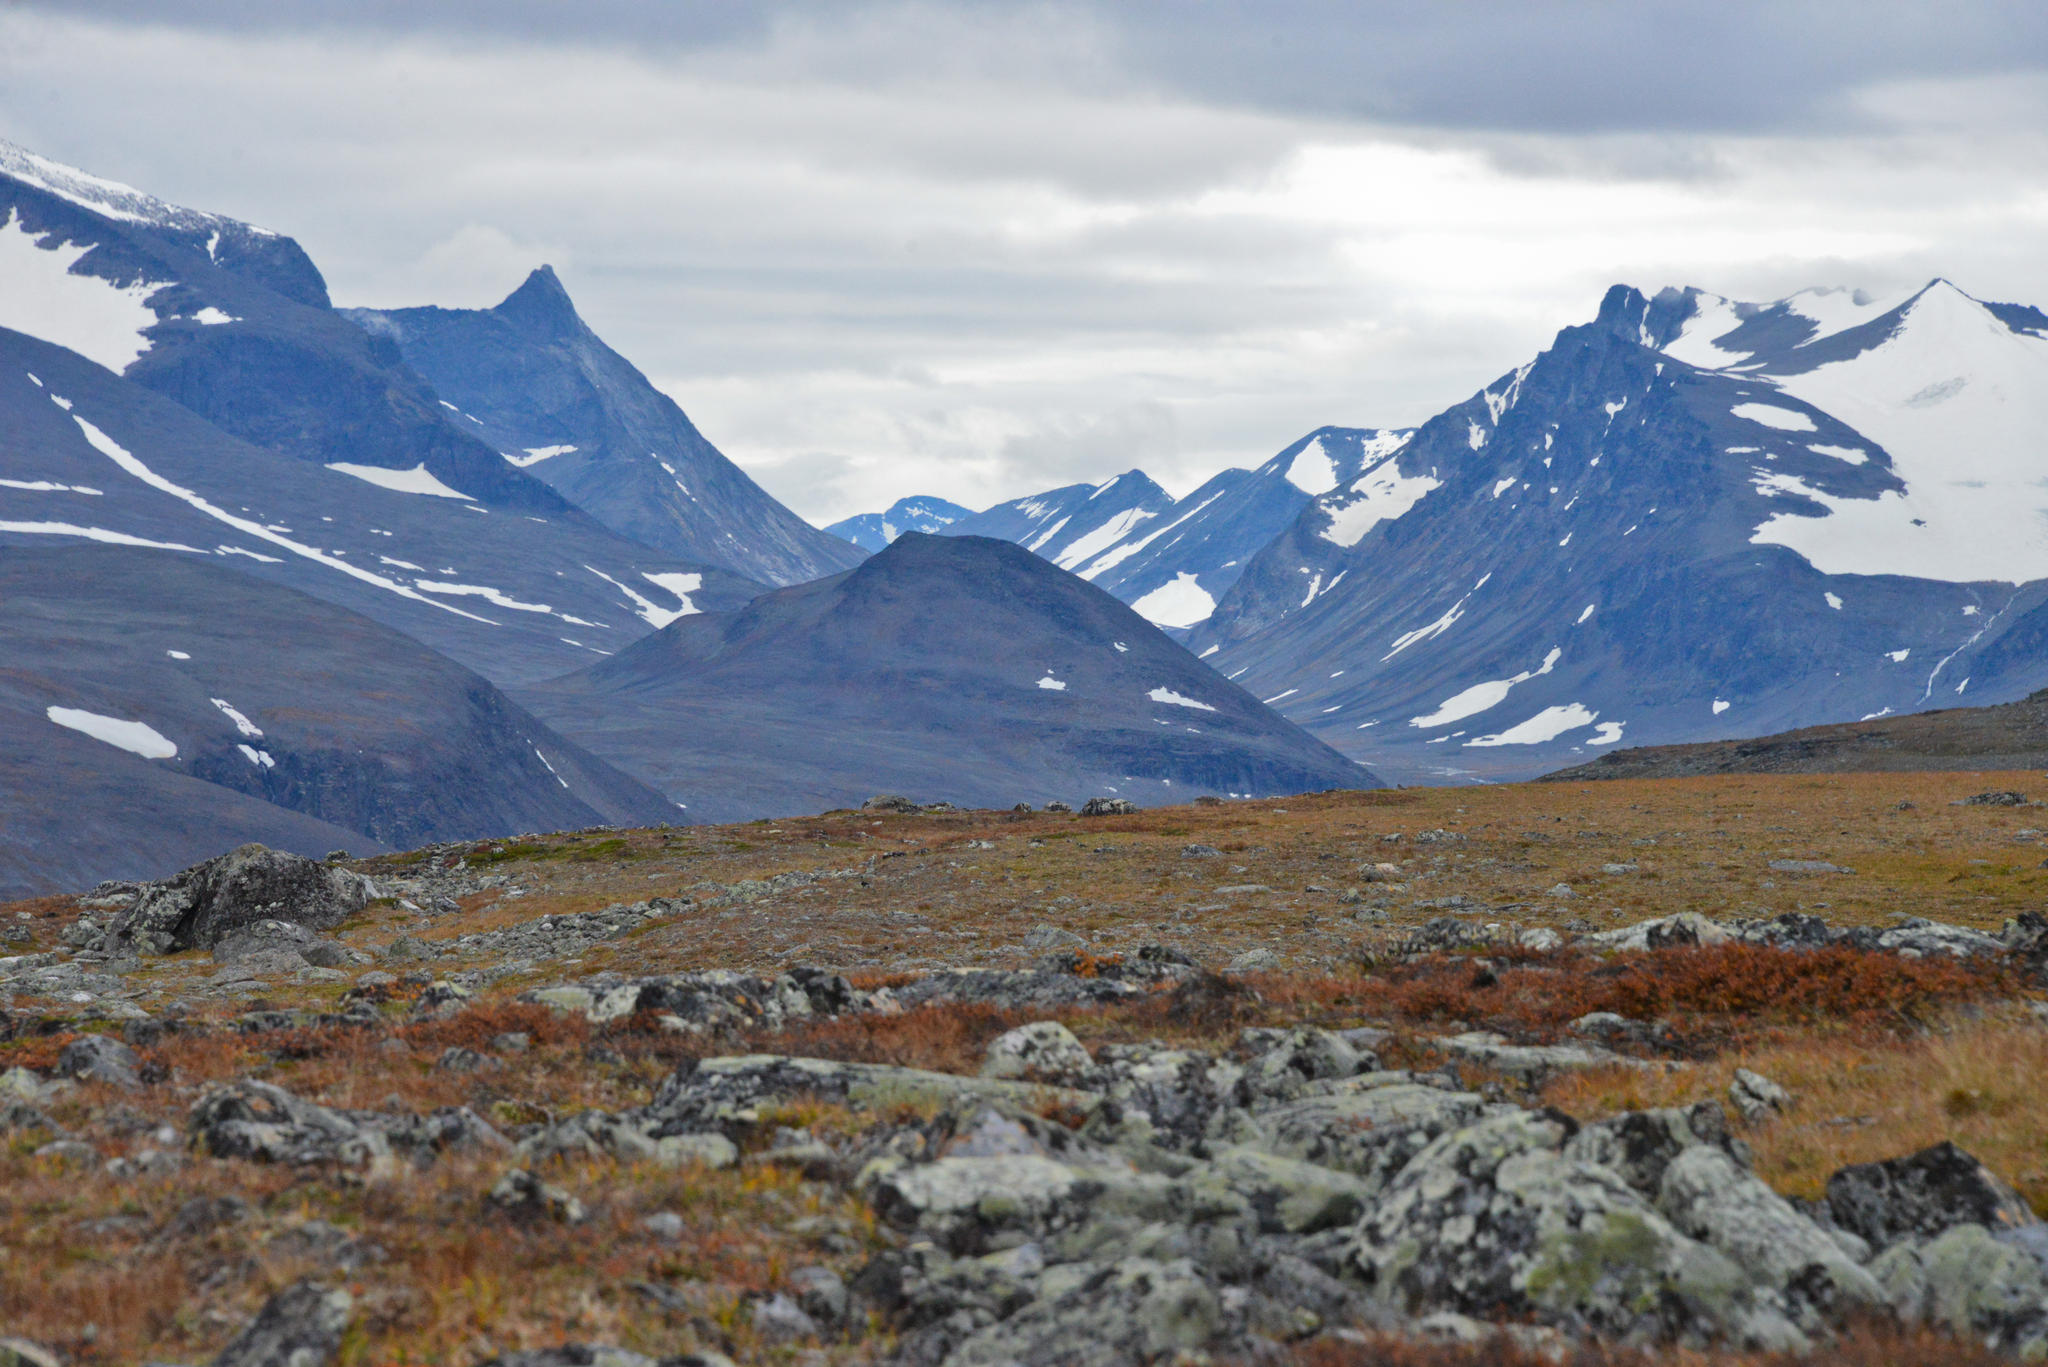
[(1708, 1196), (1106, 806), (575, 1355), (1922, 1195), (1371, 1133), (264, 1122), (301, 1326), (100, 1058), (211, 901), (725, 1095)]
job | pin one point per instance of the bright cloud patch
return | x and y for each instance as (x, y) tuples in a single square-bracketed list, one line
[(1052, 684), (137, 738)]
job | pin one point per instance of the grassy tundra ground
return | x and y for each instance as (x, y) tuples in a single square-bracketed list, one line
[(162, 1261)]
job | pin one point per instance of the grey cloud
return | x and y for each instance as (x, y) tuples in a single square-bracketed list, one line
[(1571, 66)]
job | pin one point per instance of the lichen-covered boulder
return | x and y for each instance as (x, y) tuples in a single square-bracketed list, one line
[(1043, 1050), (1969, 1280), (1109, 1315), (1496, 1222)]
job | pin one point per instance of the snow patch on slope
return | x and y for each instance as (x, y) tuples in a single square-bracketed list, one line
[(418, 480), (1181, 603), (137, 738), (39, 295)]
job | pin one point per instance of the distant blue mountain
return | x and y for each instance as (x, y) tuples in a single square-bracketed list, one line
[(538, 385), (873, 531), (960, 668)]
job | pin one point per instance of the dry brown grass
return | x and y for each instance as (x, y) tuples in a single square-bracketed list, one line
[(1859, 1098)]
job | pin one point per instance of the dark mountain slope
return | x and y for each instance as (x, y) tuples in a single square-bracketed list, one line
[(282, 718), (546, 391), (959, 668), (88, 455), (2010, 735)]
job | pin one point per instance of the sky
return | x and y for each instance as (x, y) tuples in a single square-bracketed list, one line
[(977, 250)]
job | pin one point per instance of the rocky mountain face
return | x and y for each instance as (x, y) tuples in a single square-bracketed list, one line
[(533, 381), (1686, 519), (923, 513), (156, 705), (955, 668)]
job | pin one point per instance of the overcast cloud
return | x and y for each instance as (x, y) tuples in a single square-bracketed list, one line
[(975, 249)]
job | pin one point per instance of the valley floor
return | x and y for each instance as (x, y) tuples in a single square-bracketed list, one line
[(495, 991)]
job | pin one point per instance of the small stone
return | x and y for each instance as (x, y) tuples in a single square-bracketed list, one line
[(664, 1225), (1043, 937), (1755, 1097), (687, 1150), (68, 1151), (1253, 961), (511, 1042), (1057, 806), (456, 1059), (1562, 892), (778, 1319), (520, 1193), (1200, 852)]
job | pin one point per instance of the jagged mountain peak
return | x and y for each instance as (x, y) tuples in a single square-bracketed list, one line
[(541, 305)]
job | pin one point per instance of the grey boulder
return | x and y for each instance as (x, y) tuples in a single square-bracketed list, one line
[(210, 902)]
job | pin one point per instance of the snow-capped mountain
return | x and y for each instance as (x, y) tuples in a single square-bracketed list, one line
[(532, 380), (1173, 568), (175, 379), (1072, 525), (1690, 518), (1172, 559), (923, 513), (946, 667)]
